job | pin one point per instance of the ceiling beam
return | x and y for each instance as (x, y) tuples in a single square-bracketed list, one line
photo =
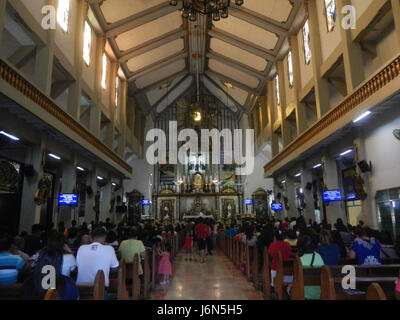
[(241, 43), (139, 19), (152, 44), (258, 20), (236, 64), (157, 103), (220, 87), (157, 65), (234, 82), (162, 81)]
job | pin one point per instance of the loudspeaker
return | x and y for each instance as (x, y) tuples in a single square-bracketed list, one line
[(89, 190), (279, 195), (309, 186), (364, 166), (29, 171)]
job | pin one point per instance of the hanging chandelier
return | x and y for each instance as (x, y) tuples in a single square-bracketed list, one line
[(216, 8)]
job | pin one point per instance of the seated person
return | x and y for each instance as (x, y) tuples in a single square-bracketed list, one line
[(388, 250), (52, 255), (10, 264), (284, 248), (131, 247), (291, 238), (33, 242), (310, 258), (94, 257), (328, 250), (17, 246), (367, 250)]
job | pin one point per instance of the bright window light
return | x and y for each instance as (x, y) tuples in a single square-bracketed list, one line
[(290, 68), (116, 90), (298, 175), (87, 43), (346, 152), (63, 14), (364, 115), (80, 168), (99, 178), (317, 165), (54, 156), (104, 72), (277, 91), (9, 135)]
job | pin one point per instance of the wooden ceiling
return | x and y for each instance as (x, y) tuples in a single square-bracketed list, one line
[(160, 53)]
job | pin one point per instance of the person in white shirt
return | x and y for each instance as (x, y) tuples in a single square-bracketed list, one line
[(94, 257)]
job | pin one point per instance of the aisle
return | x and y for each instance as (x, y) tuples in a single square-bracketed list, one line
[(217, 279)]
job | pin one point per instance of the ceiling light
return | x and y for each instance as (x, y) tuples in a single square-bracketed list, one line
[(346, 152), (54, 156), (113, 184), (283, 182), (298, 175), (365, 114), (165, 85), (227, 84), (197, 116), (80, 169), (317, 165), (9, 135), (99, 178)]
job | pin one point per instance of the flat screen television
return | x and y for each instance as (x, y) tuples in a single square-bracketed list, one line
[(67, 199), (332, 195), (248, 201), (276, 206), (146, 202)]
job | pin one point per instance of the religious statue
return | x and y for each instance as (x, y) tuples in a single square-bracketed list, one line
[(229, 210), (198, 182)]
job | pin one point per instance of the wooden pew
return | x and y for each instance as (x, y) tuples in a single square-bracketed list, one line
[(132, 273), (375, 292), (266, 275), (248, 264), (146, 275), (10, 291), (155, 260), (52, 294), (95, 291), (254, 269), (283, 268)]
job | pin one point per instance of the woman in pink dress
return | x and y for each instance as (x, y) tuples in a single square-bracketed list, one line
[(165, 267)]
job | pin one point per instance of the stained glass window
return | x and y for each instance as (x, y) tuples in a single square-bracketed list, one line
[(104, 72), (331, 14), (290, 68), (278, 98), (307, 42), (87, 43), (116, 90), (63, 14)]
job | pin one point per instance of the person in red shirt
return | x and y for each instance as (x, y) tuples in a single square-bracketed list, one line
[(286, 223), (278, 246), (202, 233)]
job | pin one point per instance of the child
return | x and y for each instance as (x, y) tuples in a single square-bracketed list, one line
[(188, 246), (165, 268)]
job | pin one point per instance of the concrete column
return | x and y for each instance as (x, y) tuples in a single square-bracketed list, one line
[(122, 138), (30, 212), (68, 185), (306, 177), (352, 53), (285, 126), (334, 210), (92, 182), (368, 206), (290, 193), (320, 84), (105, 201), (396, 18), (2, 13), (44, 63)]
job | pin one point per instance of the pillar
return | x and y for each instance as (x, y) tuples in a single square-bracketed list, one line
[(396, 18), (90, 214), (30, 212), (2, 14), (68, 185), (306, 178), (290, 193)]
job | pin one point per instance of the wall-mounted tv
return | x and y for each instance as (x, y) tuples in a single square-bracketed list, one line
[(276, 206), (146, 202), (67, 199), (332, 195), (248, 201)]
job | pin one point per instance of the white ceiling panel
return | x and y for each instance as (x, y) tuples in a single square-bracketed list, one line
[(236, 93), (115, 10), (149, 31), (175, 94), (155, 55), (220, 94), (233, 73), (156, 94), (250, 32), (238, 54), (161, 73), (278, 10)]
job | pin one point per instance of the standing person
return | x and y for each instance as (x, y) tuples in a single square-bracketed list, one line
[(202, 233), (94, 257), (165, 267), (188, 246)]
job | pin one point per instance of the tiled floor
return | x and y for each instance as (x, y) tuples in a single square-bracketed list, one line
[(217, 279)]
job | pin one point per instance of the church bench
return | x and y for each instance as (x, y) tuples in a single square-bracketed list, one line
[(375, 292), (95, 291), (117, 287), (52, 294), (146, 274), (10, 291), (132, 276), (283, 268), (266, 275)]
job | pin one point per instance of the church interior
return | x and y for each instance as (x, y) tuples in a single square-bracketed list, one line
[(127, 125)]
